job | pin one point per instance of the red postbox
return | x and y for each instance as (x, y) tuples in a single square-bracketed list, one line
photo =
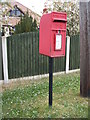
[(52, 39)]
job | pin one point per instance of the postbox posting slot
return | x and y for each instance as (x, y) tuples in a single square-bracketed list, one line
[(59, 20)]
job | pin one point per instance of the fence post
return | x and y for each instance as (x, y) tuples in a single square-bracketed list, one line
[(0, 59), (5, 63), (67, 54)]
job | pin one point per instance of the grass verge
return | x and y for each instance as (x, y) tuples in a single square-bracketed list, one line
[(30, 99)]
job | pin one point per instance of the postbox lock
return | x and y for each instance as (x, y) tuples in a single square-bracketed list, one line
[(58, 31)]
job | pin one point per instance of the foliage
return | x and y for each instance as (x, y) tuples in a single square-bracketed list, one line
[(72, 10), (26, 24), (4, 14), (29, 99)]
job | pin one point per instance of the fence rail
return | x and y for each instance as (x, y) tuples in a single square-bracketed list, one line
[(24, 58)]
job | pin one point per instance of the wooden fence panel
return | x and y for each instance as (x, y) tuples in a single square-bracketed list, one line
[(74, 52), (24, 58)]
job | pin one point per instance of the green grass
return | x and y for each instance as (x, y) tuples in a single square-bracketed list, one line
[(30, 100)]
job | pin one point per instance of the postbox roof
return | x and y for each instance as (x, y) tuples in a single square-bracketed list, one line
[(59, 16), (58, 12)]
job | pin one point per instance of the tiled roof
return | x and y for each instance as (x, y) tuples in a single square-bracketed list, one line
[(14, 20)]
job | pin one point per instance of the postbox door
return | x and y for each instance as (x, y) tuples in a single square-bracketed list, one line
[(58, 42)]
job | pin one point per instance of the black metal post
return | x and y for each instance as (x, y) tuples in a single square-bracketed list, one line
[(50, 80)]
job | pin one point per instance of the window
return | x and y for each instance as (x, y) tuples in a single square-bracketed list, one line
[(12, 13), (16, 12)]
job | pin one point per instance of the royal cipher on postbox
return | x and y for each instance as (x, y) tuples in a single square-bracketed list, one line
[(52, 38)]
